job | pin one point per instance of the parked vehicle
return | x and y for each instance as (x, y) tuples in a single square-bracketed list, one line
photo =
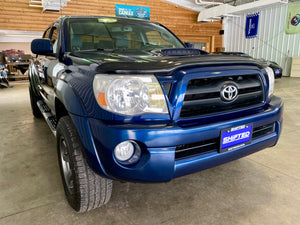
[(275, 67), (3, 77), (3, 71), (127, 101)]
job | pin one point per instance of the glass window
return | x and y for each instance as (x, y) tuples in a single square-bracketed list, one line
[(47, 32), (54, 39), (119, 34)]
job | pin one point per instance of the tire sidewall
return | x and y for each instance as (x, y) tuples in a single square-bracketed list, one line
[(33, 102), (74, 197)]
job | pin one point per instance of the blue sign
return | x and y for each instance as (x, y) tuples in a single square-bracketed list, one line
[(251, 25), (133, 11)]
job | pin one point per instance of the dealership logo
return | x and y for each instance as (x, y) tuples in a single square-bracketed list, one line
[(125, 12), (295, 20), (229, 92), (141, 13)]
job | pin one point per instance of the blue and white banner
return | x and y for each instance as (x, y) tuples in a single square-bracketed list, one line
[(251, 25), (133, 11)]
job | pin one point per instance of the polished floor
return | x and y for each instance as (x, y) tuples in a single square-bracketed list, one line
[(263, 188)]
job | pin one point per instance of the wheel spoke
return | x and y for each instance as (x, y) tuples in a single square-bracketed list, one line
[(65, 162), (66, 157)]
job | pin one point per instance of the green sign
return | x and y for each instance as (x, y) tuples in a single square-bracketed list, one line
[(293, 20)]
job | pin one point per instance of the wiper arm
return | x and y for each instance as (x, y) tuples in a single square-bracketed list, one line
[(96, 50), (105, 49)]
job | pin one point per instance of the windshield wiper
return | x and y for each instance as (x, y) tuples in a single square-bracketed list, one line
[(96, 50), (105, 49)]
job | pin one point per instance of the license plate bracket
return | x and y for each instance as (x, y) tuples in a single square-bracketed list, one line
[(236, 137)]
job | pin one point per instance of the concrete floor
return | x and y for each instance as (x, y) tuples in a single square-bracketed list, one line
[(263, 188)]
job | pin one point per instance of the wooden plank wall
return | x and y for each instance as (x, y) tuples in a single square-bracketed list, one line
[(17, 15)]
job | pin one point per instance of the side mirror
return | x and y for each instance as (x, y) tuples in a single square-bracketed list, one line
[(42, 46), (188, 44)]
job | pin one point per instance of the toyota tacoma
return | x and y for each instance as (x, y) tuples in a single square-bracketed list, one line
[(127, 100)]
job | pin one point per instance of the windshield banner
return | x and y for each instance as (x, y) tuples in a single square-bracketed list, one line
[(133, 11), (293, 20), (252, 25)]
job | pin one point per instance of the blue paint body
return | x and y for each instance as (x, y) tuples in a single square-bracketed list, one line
[(158, 135)]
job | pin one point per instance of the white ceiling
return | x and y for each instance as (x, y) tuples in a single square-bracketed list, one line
[(215, 9)]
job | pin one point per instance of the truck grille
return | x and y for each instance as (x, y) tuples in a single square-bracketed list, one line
[(213, 145), (203, 96)]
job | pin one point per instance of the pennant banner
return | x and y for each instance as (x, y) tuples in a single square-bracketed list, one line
[(251, 25), (293, 20)]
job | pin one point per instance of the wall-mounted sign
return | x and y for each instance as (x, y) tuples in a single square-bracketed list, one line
[(251, 25), (133, 11), (293, 20)]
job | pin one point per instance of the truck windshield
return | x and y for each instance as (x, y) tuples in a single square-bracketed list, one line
[(119, 34)]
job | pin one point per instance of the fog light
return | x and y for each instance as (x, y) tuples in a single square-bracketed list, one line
[(127, 152), (124, 151)]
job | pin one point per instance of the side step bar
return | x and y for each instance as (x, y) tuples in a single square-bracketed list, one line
[(50, 119)]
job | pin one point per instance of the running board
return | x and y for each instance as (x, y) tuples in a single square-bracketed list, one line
[(50, 119)]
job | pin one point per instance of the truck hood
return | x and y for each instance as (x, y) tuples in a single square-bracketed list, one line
[(150, 62)]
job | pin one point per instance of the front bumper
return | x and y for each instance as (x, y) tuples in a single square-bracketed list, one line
[(158, 143)]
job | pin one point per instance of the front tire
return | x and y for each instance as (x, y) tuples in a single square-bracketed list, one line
[(84, 189)]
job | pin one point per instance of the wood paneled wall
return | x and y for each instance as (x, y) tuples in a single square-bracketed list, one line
[(17, 15)]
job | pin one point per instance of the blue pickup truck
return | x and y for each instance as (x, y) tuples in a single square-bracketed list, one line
[(128, 101)]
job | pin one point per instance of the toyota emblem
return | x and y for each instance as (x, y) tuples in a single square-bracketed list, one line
[(229, 92)]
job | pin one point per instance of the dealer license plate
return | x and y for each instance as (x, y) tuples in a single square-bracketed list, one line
[(236, 137)]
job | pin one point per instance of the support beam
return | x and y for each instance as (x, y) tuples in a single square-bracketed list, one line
[(226, 9)]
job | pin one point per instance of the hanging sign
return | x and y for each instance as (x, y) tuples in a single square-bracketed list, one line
[(133, 11), (293, 20), (251, 25)]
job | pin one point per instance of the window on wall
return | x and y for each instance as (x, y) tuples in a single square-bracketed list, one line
[(200, 45)]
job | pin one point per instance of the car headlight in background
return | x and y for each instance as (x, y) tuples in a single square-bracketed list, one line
[(129, 94), (271, 80)]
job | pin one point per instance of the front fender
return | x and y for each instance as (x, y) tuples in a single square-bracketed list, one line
[(67, 95), (73, 104)]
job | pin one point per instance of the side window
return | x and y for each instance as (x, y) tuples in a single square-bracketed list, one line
[(47, 33), (53, 39), (54, 35)]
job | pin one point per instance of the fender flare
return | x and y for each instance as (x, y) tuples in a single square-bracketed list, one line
[(72, 102)]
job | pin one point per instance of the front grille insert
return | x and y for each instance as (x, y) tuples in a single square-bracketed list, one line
[(213, 145), (203, 96), (263, 130), (197, 148)]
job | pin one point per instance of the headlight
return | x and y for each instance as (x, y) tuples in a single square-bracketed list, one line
[(129, 95), (271, 79)]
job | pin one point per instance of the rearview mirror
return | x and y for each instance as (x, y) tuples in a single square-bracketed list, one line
[(42, 46), (188, 44)]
